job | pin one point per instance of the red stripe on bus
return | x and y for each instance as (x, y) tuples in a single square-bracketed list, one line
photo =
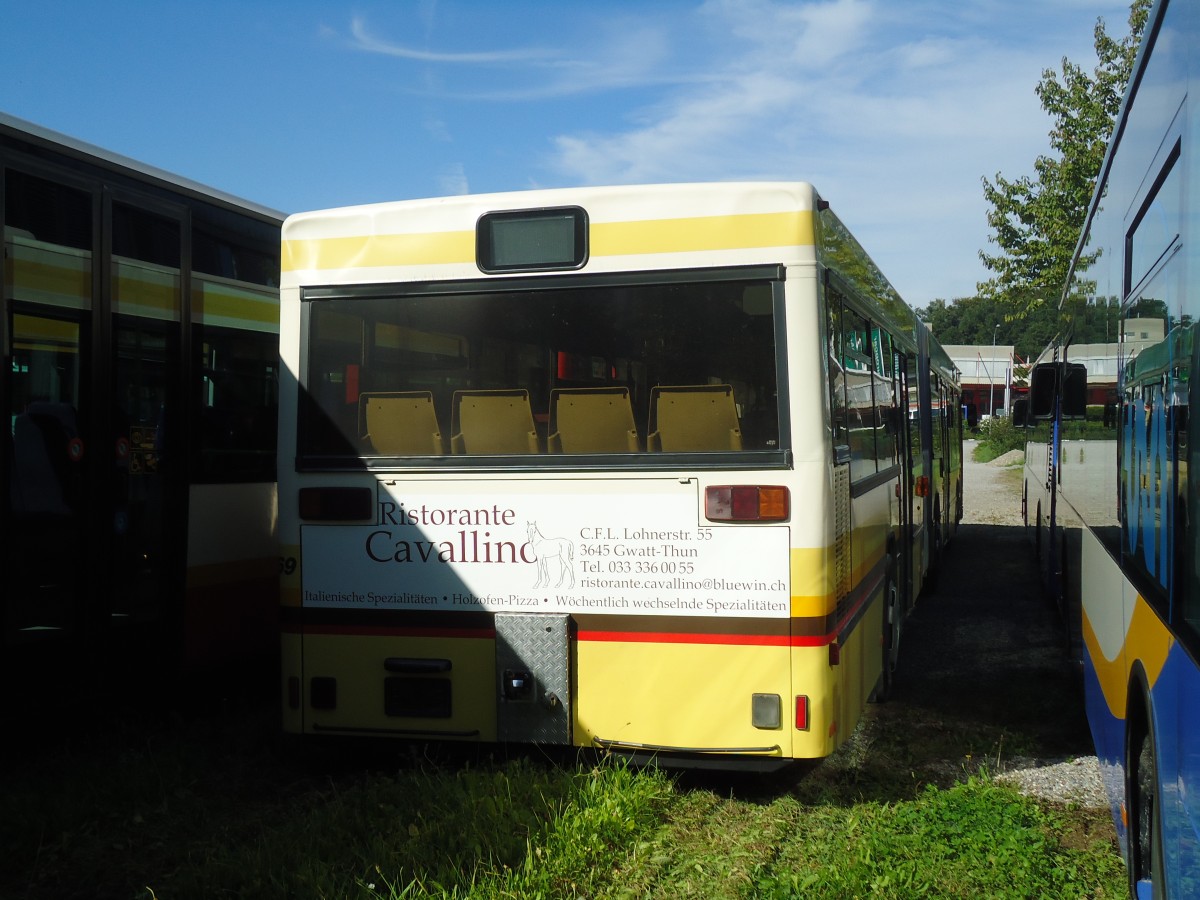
[(643, 637), (865, 592), (598, 636)]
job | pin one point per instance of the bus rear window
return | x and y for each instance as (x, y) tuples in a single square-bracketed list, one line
[(613, 372)]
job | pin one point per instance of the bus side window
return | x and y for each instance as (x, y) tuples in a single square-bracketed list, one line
[(839, 422), (883, 389), (858, 371)]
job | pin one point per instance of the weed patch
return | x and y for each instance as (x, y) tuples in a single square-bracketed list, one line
[(974, 839), (189, 816), (997, 437)]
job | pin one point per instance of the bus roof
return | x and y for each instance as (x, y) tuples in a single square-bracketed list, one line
[(630, 227), (680, 225), (631, 200), (38, 138)]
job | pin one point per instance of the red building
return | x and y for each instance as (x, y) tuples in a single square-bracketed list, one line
[(986, 375)]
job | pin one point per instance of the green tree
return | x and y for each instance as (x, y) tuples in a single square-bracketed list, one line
[(973, 320), (1036, 221)]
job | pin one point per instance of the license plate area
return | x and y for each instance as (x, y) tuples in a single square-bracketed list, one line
[(417, 698)]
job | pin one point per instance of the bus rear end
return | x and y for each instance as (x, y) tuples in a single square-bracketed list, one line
[(560, 472)]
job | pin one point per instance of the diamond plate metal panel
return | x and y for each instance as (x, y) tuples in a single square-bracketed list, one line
[(533, 674)]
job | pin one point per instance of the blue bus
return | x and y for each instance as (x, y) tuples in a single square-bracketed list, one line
[(1108, 494)]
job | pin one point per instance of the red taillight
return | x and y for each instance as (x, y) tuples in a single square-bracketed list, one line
[(801, 713), (746, 503)]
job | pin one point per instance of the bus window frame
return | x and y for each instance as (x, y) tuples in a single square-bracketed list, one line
[(838, 298), (780, 458)]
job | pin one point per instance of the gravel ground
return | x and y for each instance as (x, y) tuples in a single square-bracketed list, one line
[(987, 648), (992, 490)]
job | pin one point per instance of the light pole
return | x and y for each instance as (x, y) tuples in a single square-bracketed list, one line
[(991, 378)]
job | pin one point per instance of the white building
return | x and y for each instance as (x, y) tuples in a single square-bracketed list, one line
[(986, 377)]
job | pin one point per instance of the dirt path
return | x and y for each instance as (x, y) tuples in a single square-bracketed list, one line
[(992, 491), (983, 680)]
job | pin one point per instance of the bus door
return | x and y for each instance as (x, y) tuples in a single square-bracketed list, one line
[(904, 436), (94, 499), (940, 467), (48, 380), (916, 383), (949, 406), (147, 471)]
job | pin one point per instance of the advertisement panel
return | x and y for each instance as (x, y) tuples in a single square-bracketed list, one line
[(637, 549)]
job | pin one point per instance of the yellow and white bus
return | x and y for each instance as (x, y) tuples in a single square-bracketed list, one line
[(645, 468)]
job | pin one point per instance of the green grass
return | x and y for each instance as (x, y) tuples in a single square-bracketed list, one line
[(977, 839), (216, 810)]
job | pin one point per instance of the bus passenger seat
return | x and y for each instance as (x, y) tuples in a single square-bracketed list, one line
[(492, 422), (400, 423), (592, 420), (693, 418)]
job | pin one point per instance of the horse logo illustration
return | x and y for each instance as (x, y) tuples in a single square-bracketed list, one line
[(546, 549)]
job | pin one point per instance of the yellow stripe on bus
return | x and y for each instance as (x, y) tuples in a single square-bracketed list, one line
[(700, 233), (782, 229), (145, 292), (211, 301), (52, 332), (1146, 639), (374, 250), (812, 594), (148, 293), (70, 286)]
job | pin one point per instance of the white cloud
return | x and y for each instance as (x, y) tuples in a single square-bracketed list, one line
[(364, 40), (894, 112), (437, 129), (927, 53), (816, 32), (452, 179), (620, 52)]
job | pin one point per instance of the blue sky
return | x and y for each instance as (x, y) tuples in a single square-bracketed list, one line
[(894, 109)]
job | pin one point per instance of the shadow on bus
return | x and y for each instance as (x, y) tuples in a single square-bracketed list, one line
[(983, 679)]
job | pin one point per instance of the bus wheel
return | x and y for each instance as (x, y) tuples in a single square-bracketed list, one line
[(1146, 866)]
